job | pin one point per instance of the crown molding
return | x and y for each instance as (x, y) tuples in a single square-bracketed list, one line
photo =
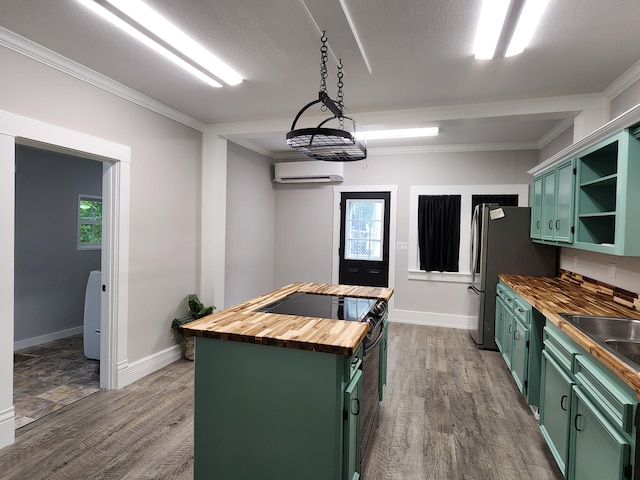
[(623, 82), (41, 54), (556, 131)]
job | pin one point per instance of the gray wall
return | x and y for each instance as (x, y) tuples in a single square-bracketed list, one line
[(304, 218), (166, 156), (250, 225), (559, 143), (50, 272), (625, 100)]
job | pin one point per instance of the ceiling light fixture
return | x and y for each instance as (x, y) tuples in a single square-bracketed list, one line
[(506, 27), (322, 142), (144, 24), (398, 133)]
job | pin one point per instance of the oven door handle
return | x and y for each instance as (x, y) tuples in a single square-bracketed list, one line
[(375, 343)]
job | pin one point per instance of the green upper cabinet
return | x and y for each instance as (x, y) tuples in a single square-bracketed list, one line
[(606, 193), (536, 208), (556, 199)]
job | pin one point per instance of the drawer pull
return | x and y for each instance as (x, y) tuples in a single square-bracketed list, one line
[(355, 403), (557, 224), (563, 404), (516, 335), (575, 422)]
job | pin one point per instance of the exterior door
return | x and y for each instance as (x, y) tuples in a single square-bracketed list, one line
[(364, 238)]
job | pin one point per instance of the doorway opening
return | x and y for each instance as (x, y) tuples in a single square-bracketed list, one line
[(57, 253)]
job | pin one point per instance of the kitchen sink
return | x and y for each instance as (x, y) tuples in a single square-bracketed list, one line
[(621, 336), (606, 327), (629, 349)]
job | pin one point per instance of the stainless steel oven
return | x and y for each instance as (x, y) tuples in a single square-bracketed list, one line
[(371, 385)]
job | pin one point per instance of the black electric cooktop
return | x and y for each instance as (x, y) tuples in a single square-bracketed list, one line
[(321, 306)]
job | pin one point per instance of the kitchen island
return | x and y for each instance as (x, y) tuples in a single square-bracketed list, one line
[(278, 396)]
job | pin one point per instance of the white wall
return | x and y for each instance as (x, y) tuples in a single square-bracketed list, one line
[(165, 190), (50, 272), (250, 226)]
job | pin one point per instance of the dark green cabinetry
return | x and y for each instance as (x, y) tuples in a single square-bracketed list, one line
[(588, 200), (557, 201), (272, 412), (519, 339), (607, 196), (382, 383), (586, 412)]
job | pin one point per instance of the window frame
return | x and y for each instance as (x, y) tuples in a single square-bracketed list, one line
[(79, 244), (466, 192)]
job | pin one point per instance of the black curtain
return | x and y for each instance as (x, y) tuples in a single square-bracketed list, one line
[(508, 200), (439, 232)]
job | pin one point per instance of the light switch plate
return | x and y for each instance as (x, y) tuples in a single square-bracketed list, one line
[(402, 246)]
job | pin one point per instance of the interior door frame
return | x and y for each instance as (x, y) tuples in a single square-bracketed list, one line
[(335, 258), (116, 158)]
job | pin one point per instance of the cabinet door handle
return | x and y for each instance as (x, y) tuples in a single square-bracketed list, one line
[(538, 225), (575, 422), (550, 224), (516, 334), (557, 224), (355, 402), (501, 316), (563, 405), (510, 328)]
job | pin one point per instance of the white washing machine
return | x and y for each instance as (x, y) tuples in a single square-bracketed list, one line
[(92, 316)]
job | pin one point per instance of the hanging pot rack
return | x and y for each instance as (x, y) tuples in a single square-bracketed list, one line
[(322, 142)]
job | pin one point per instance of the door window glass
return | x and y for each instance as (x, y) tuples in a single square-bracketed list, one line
[(364, 229)]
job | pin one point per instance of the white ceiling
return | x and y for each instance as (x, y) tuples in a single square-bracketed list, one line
[(419, 52)]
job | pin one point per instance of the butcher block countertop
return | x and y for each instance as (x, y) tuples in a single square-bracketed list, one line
[(242, 323), (554, 295)]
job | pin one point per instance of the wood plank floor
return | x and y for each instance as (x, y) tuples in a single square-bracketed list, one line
[(450, 412)]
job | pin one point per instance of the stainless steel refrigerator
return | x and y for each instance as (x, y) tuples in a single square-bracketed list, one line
[(500, 243)]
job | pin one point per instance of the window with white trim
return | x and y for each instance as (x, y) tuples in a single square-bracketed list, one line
[(89, 222), (466, 192)]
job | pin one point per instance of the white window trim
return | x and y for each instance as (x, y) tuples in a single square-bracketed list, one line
[(86, 246), (466, 192)]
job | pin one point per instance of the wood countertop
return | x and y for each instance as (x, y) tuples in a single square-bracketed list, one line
[(554, 295), (242, 323)]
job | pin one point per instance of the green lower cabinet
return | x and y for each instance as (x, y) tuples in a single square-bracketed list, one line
[(508, 337), (520, 355), (500, 324), (351, 455), (599, 452), (555, 401), (263, 412)]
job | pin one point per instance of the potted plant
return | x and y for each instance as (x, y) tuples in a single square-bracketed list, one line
[(196, 310)]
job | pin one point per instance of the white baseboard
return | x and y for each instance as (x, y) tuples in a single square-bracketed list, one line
[(7, 427), (31, 342), (431, 319), (145, 366)]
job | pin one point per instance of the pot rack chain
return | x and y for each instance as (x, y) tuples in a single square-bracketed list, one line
[(340, 97), (323, 67)]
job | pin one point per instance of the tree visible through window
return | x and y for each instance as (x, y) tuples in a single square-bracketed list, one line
[(89, 222), (364, 229)]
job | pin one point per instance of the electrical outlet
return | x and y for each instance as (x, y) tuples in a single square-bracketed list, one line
[(612, 270), (575, 260), (402, 246)]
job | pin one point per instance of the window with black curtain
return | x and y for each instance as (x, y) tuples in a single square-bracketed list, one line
[(439, 232)]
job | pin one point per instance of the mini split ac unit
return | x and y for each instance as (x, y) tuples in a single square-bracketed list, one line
[(309, 172)]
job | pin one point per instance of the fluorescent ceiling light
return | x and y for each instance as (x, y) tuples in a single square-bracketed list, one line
[(492, 18), (398, 133), (527, 23), (141, 22), (497, 27)]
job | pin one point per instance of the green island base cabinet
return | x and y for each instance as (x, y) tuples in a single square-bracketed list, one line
[(271, 412), (518, 334), (586, 413)]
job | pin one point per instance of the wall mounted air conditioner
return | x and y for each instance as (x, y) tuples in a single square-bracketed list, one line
[(314, 171)]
